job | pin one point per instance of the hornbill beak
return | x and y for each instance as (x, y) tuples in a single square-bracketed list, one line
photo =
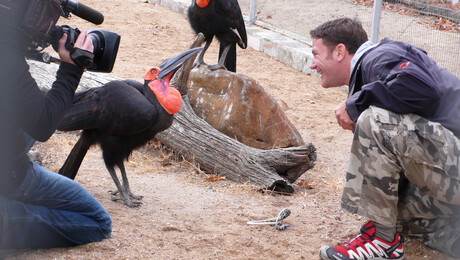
[(157, 80), (173, 64)]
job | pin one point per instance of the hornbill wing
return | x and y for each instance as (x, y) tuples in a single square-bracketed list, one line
[(135, 84), (116, 108), (136, 113), (230, 10), (83, 113)]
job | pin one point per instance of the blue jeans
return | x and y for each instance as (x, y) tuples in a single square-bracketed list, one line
[(50, 210)]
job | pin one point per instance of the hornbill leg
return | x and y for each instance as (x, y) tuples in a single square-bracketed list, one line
[(123, 193), (200, 60), (220, 64), (126, 183)]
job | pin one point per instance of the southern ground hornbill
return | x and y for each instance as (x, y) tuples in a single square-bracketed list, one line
[(121, 116), (219, 18)]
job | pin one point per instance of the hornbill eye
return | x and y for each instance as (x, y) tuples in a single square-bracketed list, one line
[(151, 74)]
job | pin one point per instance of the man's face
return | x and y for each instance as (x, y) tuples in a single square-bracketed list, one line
[(329, 65)]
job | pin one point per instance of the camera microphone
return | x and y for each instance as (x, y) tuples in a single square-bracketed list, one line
[(83, 11)]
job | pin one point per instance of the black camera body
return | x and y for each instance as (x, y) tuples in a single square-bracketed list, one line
[(37, 20), (105, 45)]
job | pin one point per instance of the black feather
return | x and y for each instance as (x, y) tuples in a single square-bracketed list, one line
[(220, 18), (120, 116)]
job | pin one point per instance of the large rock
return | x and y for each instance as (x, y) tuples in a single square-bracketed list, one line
[(239, 107)]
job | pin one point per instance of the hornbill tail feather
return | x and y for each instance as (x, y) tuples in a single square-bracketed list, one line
[(230, 59), (75, 158)]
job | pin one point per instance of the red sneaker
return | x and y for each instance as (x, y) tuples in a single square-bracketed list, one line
[(365, 246)]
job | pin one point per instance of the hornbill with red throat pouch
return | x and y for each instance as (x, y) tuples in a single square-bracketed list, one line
[(121, 116), (219, 18)]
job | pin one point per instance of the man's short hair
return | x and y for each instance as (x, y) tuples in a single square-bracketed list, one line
[(349, 32)]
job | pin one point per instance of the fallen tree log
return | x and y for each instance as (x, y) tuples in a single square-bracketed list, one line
[(194, 139), (45, 74), (217, 153)]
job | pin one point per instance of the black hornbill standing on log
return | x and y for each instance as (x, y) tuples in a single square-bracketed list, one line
[(219, 18), (122, 116)]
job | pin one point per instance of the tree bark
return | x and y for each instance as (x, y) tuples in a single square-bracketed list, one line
[(194, 139), (45, 74), (219, 154)]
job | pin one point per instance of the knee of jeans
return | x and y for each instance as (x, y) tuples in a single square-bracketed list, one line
[(106, 225)]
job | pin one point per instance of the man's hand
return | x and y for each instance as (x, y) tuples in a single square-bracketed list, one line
[(83, 42), (343, 119)]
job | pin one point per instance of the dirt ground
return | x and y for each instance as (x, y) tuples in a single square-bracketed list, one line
[(182, 215)]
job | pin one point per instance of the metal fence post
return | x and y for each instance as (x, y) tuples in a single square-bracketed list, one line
[(252, 11), (377, 10)]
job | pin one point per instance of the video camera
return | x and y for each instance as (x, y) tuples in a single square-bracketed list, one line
[(38, 18)]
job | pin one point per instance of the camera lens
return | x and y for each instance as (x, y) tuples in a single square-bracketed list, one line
[(98, 43), (105, 49)]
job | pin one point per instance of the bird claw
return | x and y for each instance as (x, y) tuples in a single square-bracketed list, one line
[(132, 204), (136, 197), (115, 198), (128, 201), (216, 67), (115, 192), (197, 64)]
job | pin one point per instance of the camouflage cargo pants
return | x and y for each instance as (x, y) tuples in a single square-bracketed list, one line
[(404, 171)]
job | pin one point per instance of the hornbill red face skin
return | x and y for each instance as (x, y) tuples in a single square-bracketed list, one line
[(202, 3), (158, 80)]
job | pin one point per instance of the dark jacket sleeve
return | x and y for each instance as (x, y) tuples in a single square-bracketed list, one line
[(25, 105), (41, 123), (393, 81)]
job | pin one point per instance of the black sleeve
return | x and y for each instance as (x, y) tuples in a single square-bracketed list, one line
[(21, 99)]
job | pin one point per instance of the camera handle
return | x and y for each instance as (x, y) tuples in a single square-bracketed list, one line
[(81, 58)]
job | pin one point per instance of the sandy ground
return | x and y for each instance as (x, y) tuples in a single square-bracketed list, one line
[(182, 215)]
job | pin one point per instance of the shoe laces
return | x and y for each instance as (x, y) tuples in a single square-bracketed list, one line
[(359, 239)]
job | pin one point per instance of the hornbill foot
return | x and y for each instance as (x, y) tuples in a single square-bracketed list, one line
[(135, 197), (216, 67), (131, 195), (127, 200), (197, 64), (132, 204)]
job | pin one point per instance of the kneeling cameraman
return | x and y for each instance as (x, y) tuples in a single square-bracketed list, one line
[(38, 208)]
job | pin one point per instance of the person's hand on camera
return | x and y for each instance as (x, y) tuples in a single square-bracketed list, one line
[(83, 42)]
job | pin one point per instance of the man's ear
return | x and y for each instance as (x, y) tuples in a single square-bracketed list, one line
[(341, 51)]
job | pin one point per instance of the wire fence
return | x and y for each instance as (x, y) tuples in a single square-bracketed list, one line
[(433, 27)]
